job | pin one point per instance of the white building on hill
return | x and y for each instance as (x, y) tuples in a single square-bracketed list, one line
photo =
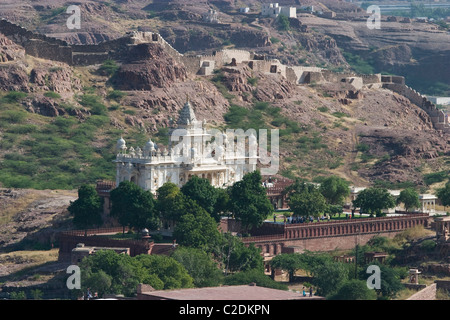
[(272, 10), (192, 150)]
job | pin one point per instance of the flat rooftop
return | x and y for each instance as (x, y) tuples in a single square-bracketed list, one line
[(242, 292)]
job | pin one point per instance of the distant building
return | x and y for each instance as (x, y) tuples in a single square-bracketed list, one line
[(439, 100), (244, 10), (221, 161), (329, 14), (211, 16), (427, 201), (273, 10), (81, 251), (308, 9)]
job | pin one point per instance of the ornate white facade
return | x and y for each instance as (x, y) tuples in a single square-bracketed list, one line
[(193, 150)]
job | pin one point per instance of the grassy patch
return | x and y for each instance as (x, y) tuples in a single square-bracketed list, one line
[(94, 103), (338, 114), (359, 64), (218, 82), (14, 96), (108, 68), (52, 94), (116, 95), (436, 177)]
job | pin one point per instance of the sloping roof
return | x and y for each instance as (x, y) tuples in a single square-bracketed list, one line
[(242, 292)]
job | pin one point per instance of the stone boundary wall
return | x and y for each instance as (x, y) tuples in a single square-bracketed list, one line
[(37, 45), (300, 73), (327, 236), (440, 122), (276, 246), (332, 76), (41, 46), (68, 240), (21, 35)]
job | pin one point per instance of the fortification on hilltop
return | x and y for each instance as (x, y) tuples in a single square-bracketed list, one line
[(41, 46)]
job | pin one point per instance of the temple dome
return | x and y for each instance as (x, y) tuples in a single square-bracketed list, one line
[(149, 145), (121, 144)]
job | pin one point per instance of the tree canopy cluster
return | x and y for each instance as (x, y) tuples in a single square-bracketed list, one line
[(374, 200), (307, 199), (337, 280), (204, 257)]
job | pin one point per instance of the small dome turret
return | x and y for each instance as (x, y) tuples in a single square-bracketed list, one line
[(121, 144), (149, 146)]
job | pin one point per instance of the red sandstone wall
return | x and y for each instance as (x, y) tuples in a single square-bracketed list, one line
[(343, 242), (328, 236)]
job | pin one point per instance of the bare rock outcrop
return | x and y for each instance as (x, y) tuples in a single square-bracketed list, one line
[(13, 78), (9, 51), (149, 67), (57, 79), (45, 106), (35, 214), (274, 87), (400, 151)]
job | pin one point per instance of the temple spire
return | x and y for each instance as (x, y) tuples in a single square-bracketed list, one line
[(187, 115)]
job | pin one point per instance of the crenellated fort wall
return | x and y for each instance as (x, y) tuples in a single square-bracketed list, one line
[(41, 46), (440, 122)]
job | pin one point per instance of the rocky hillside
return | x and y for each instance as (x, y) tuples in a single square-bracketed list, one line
[(32, 217), (59, 123), (419, 51)]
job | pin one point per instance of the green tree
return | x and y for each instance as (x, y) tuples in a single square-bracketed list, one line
[(310, 261), (18, 295), (196, 228), (283, 22), (390, 279), (36, 294), (133, 206), (109, 272), (171, 272), (308, 201), (335, 190), (200, 266), (87, 209), (235, 256), (410, 198), (354, 290), (443, 194), (329, 277), (201, 191), (249, 202), (98, 281), (374, 200), (289, 262), (170, 202), (222, 203)]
